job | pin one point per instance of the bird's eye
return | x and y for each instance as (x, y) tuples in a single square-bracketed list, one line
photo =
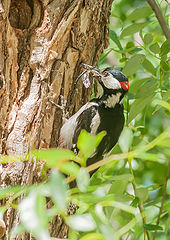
[(105, 74)]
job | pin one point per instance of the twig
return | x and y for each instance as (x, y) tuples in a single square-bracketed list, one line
[(160, 17), (163, 199)]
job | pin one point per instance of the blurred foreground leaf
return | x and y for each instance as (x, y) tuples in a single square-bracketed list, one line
[(33, 215), (58, 190), (54, 157), (83, 179), (83, 222), (87, 143)]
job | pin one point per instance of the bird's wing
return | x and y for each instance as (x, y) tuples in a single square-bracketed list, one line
[(88, 120), (85, 118)]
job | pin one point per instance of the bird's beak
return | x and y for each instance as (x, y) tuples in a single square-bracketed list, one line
[(95, 71)]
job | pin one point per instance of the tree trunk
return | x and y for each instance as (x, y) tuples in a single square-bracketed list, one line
[(42, 44)]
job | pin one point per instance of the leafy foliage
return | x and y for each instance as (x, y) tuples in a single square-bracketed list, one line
[(126, 196)]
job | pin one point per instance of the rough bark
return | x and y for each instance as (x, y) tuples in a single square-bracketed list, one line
[(42, 43)]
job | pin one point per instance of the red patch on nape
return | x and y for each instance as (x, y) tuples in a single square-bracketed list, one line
[(125, 85)]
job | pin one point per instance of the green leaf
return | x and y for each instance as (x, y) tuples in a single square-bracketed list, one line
[(138, 105), (87, 198), (152, 202), (165, 48), (125, 139), (127, 177), (69, 168), (162, 103), (135, 202), (158, 140), (9, 191), (54, 157), (133, 64), (140, 13), (149, 66), (133, 29), (168, 190), (130, 225), (58, 189), (84, 222), (135, 50), (107, 230), (154, 187), (123, 59), (167, 205), (142, 194), (131, 48), (119, 205), (92, 236), (130, 44), (118, 186), (113, 36), (166, 97), (165, 67), (152, 227), (14, 158), (148, 38), (99, 137), (126, 50), (148, 156), (87, 143), (72, 235), (146, 89), (83, 179), (136, 84), (165, 143), (103, 56), (155, 48)]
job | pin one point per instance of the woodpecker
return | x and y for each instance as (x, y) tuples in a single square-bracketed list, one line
[(105, 112)]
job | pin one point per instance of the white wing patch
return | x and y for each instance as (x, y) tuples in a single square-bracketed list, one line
[(95, 123), (68, 129)]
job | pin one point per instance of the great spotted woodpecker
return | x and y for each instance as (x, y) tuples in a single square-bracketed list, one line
[(105, 112)]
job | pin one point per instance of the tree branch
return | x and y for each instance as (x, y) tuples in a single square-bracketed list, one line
[(163, 199), (160, 17)]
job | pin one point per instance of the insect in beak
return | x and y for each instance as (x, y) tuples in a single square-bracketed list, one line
[(95, 71), (85, 74)]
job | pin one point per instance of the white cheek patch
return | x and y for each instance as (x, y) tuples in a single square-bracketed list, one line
[(110, 82)]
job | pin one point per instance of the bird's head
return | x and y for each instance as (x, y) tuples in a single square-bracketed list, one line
[(114, 84)]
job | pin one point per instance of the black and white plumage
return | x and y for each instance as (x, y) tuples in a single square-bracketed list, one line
[(104, 112)]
